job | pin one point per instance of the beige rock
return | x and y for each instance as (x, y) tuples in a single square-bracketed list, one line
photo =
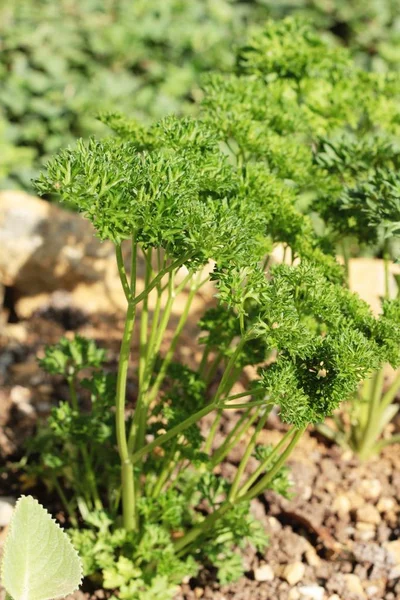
[(368, 514), (356, 501), (370, 489), (364, 270), (385, 504), (294, 572), (311, 592), (312, 557), (334, 597), (46, 250), (341, 504), (294, 594), (393, 549), (353, 584), (264, 573), (362, 526)]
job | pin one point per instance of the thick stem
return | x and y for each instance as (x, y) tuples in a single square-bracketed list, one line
[(128, 487)]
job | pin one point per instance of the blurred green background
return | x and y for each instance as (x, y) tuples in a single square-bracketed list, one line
[(62, 62)]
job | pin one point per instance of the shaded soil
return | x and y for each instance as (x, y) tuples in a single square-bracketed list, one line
[(333, 540)]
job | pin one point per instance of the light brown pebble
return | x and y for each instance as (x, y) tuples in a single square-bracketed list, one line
[(294, 572), (341, 504), (368, 514), (370, 489), (354, 585), (264, 573), (385, 504), (393, 549)]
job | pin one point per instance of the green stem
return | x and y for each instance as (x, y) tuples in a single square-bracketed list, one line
[(391, 393), (174, 342), (224, 385), (203, 527), (233, 437), (369, 435), (394, 439), (264, 464), (171, 267), (66, 503), (122, 272), (165, 437), (133, 265), (246, 457), (91, 478), (259, 487), (128, 485)]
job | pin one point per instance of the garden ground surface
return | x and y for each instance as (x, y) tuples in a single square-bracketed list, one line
[(336, 539)]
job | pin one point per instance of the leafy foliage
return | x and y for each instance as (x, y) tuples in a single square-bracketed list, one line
[(38, 575), (231, 186), (63, 63)]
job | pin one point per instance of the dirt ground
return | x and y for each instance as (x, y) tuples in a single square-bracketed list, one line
[(336, 539)]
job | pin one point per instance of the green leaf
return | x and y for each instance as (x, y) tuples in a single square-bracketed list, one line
[(39, 561)]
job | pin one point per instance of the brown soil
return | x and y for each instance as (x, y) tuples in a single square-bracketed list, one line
[(336, 533)]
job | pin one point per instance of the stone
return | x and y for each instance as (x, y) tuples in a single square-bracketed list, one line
[(370, 489), (394, 573), (264, 573), (311, 592), (393, 550), (21, 397), (294, 594), (353, 584), (385, 504), (7, 504), (294, 572), (355, 499), (368, 514), (312, 557), (341, 504), (334, 597)]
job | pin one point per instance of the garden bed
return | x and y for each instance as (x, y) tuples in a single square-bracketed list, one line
[(336, 538)]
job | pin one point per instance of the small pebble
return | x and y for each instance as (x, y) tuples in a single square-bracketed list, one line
[(370, 489), (312, 557), (264, 573), (341, 504), (294, 572), (311, 592), (385, 504), (368, 514), (354, 585), (393, 549)]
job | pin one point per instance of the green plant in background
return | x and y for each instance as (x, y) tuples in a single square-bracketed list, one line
[(370, 28), (39, 561), (226, 187), (63, 62)]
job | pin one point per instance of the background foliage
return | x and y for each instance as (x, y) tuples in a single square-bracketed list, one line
[(61, 63)]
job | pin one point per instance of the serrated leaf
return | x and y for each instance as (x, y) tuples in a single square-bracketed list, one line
[(39, 561)]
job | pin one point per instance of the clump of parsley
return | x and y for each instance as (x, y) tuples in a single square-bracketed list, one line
[(226, 187)]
